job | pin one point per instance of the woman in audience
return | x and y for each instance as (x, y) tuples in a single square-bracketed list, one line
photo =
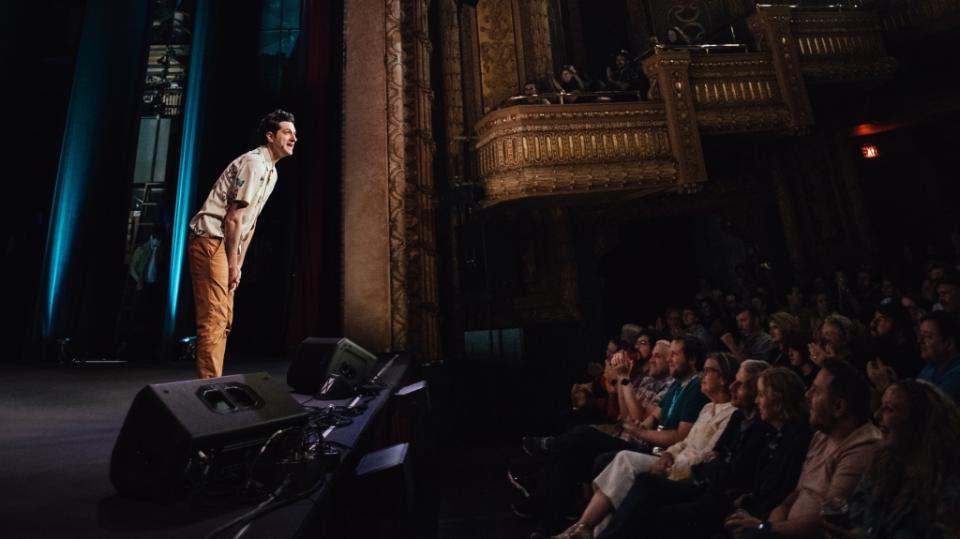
[(912, 488), (782, 325), (675, 462), (798, 352), (835, 339)]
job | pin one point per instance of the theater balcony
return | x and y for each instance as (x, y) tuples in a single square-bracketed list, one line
[(570, 153), (833, 44), (583, 150)]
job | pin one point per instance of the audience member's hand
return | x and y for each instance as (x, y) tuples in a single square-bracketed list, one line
[(836, 532), (880, 374), (663, 464), (817, 353), (633, 429), (727, 340), (740, 520)]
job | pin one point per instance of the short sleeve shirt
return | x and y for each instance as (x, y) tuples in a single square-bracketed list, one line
[(682, 402), (247, 180)]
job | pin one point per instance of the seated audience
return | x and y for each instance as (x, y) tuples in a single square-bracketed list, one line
[(940, 350), (782, 326), (917, 306), (674, 463), (840, 452), (569, 458), (754, 465), (912, 489), (754, 342), (948, 294)]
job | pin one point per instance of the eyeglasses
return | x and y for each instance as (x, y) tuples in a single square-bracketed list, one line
[(647, 343)]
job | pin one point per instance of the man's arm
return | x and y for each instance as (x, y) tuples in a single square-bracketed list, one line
[(231, 239), (244, 245)]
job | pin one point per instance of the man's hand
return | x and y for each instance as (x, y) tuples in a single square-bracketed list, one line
[(740, 520), (817, 353), (233, 278), (727, 340)]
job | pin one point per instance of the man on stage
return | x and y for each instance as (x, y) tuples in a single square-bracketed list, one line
[(221, 231)]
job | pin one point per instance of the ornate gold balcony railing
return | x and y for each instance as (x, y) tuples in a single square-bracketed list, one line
[(736, 92), (537, 151), (832, 44), (920, 16)]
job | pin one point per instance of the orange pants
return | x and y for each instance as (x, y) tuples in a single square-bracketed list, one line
[(213, 300)]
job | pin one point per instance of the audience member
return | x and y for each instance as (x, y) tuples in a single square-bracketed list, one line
[(569, 82), (798, 352), (841, 450), (939, 339), (569, 459), (754, 342), (912, 488), (782, 326), (674, 463), (693, 327)]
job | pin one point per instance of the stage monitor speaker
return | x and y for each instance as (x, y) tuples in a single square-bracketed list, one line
[(180, 435), (330, 363)]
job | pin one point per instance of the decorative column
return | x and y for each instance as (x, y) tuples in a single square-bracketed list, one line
[(501, 70), (670, 71), (389, 269), (770, 27), (535, 36)]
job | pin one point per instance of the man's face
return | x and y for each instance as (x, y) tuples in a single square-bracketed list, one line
[(916, 313), (776, 334), (689, 317), (795, 297), (658, 366), (743, 391), (895, 419), (283, 141), (864, 280), (829, 334), (880, 325), (949, 296), (745, 322), (621, 61), (566, 75), (529, 89), (679, 366), (822, 407), (933, 347)]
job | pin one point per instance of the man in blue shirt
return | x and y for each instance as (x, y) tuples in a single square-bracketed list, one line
[(939, 339)]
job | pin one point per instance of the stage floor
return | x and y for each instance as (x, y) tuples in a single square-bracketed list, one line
[(58, 424)]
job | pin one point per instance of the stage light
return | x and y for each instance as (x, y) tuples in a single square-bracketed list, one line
[(189, 152), (869, 151)]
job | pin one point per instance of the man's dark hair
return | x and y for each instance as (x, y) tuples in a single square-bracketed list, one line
[(946, 324), (850, 385), (693, 349), (271, 122), (746, 307)]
